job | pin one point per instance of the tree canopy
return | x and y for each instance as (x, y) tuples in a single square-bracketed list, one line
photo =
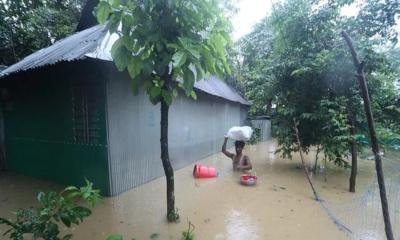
[(297, 58), (184, 39), (27, 26)]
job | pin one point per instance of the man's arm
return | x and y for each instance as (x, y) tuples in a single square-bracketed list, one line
[(247, 164), (228, 154)]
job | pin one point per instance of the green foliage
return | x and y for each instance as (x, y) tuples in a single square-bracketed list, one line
[(388, 138), (256, 136), (115, 237), (188, 234), (173, 216), (167, 45), (27, 26), (297, 59), (55, 209), (377, 18), (252, 67), (335, 130)]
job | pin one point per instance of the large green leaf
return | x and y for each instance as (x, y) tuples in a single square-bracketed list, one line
[(194, 52), (114, 22), (179, 58), (188, 81), (167, 96), (210, 62), (103, 11), (174, 92), (193, 95), (127, 22), (199, 71), (134, 68), (120, 54), (155, 92), (129, 43), (115, 3)]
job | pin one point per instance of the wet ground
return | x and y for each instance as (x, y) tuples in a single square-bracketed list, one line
[(279, 206)]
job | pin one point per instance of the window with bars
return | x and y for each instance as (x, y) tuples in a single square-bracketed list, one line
[(85, 116)]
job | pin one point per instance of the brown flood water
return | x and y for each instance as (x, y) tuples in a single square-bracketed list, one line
[(279, 206)]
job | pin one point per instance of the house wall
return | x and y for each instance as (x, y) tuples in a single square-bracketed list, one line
[(41, 122), (265, 127), (196, 130)]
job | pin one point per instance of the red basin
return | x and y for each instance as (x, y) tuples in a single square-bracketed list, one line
[(248, 180)]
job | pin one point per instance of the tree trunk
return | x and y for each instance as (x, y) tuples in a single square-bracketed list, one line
[(269, 106), (316, 160), (353, 152), (169, 171), (302, 161), (374, 141), (325, 169), (87, 18)]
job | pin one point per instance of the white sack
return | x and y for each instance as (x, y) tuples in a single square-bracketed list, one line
[(240, 133)]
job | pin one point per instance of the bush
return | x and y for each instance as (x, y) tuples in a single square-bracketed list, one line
[(256, 137), (56, 208)]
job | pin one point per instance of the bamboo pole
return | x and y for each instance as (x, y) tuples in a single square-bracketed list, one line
[(296, 130), (374, 140)]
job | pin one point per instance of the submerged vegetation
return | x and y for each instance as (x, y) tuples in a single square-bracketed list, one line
[(68, 207)]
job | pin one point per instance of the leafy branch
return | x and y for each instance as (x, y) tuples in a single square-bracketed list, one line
[(66, 207)]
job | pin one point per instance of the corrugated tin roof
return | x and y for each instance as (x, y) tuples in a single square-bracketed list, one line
[(2, 67), (96, 42), (70, 48), (216, 87)]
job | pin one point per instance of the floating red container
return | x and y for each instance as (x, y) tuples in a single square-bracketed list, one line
[(200, 171)]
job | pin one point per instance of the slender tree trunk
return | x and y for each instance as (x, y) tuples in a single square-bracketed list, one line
[(13, 47), (374, 141), (303, 162), (269, 106), (353, 145), (316, 159), (169, 172), (87, 18), (326, 169)]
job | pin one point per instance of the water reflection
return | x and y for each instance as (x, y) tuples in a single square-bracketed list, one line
[(240, 226)]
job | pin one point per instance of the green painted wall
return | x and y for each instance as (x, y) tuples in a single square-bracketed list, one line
[(39, 128)]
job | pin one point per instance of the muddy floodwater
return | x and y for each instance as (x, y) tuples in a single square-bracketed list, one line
[(279, 206)]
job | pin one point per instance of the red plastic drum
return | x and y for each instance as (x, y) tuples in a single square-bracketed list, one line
[(201, 171)]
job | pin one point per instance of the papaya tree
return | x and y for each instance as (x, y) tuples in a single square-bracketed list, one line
[(166, 46)]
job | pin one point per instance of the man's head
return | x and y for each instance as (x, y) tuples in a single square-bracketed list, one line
[(239, 145)]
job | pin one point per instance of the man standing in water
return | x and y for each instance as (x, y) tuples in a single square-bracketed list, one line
[(240, 161)]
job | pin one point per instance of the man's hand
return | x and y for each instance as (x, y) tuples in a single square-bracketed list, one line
[(228, 154)]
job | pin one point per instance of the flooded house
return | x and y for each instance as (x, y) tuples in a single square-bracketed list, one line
[(69, 115)]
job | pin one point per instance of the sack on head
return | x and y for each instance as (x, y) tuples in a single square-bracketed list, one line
[(240, 133)]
